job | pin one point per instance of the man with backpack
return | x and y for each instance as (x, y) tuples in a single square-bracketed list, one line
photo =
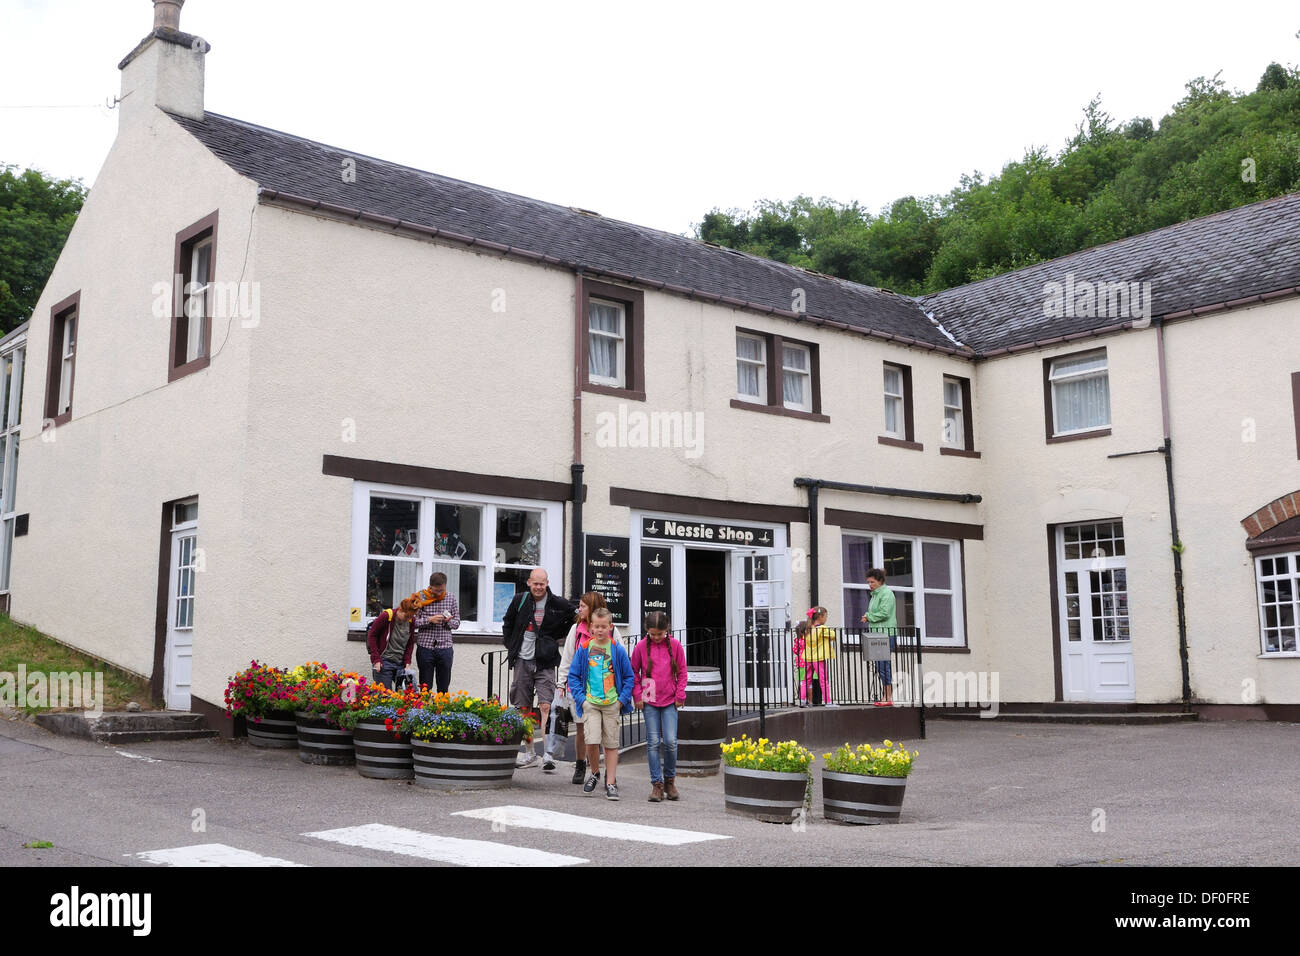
[(533, 631)]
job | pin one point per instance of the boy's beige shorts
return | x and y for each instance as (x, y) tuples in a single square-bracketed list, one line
[(601, 723)]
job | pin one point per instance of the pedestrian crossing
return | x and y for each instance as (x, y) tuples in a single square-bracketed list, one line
[(438, 848)]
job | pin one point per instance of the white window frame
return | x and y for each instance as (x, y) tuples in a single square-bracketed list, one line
[(620, 347), (919, 586), (901, 417), (68, 356), (805, 373), (1293, 575), (954, 413), (760, 363), (473, 620), (1055, 379), (10, 429), (197, 316)]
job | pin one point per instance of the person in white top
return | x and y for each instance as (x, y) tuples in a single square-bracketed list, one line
[(579, 635)]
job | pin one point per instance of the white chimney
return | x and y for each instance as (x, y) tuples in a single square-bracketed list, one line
[(164, 70)]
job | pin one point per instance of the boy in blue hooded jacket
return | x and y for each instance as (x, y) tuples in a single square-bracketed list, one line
[(600, 683)]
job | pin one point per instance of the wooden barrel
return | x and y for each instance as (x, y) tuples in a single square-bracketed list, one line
[(278, 730), (768, 795), (701, 723), (448, 766), (322, 741), (380, 754), (858, 798)]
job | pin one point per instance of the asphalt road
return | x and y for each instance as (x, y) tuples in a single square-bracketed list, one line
[(983, 792)]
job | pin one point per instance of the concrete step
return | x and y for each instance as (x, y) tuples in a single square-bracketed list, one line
[(127, 727), (1077, 717)]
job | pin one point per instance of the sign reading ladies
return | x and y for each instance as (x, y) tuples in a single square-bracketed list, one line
[(668, 529)]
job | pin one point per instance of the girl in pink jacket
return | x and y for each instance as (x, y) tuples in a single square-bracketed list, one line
[(658, 689)]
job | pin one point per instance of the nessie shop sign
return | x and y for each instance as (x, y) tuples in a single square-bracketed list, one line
[(668, 529)]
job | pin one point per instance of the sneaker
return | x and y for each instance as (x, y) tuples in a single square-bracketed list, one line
[(548, 764), (525, 759), (611, 792), (580, 771), (832, 705), (590, 785)]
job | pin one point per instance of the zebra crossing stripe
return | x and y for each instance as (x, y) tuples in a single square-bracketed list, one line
[(531, 818), (441, 849), (211, 854)]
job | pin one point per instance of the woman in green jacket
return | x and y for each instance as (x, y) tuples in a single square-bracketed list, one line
[(881, 617)]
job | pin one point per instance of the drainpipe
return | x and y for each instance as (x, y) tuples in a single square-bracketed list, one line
[(1173, 519), (576, 469), (813, 521)]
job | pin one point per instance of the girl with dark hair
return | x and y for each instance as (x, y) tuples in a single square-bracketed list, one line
[(658, 689)]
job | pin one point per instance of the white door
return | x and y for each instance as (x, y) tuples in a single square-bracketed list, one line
[(760, 613), (180, 607), (1096, 646)]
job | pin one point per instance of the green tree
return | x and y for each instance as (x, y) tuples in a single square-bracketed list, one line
[(36, 215)]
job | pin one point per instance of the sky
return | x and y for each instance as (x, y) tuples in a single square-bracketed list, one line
[(653, 113)]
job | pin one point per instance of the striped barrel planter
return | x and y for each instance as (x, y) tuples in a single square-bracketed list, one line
[(380, 754), (276, 731), (769, 795), (701, 723), (447, 766), (322, 741), (858, 798)]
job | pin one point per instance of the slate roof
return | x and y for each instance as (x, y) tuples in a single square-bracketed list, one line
[(302, 167), (1222, 258)]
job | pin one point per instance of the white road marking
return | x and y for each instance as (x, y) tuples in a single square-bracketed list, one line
[(532, 818), (211, 854), (123, 753), (427, 846)]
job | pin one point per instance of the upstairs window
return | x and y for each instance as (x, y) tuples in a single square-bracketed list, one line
[(607, 343), (1079, 394), (751, 368), (64, 326), (796, 377), (613, 346), (195, 266), (777, 375)]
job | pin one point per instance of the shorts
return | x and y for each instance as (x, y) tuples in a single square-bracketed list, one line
[(529, 678), (601, 723)]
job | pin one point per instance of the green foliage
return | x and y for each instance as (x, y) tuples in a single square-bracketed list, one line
[(1216, 149), (36, 215), (38, 845)]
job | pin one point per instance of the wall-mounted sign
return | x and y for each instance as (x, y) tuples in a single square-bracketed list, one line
[(607, 571), (669, 529), (656, 581)]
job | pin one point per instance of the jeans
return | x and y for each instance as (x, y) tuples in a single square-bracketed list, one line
[(661, 727), (387, 673), (431, 660)]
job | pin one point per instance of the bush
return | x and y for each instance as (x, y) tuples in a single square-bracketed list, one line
[(890, 760)]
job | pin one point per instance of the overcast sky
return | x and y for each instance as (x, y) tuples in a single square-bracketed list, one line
[(648, 112)]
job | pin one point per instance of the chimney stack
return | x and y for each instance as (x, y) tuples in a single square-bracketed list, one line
[(165, 70)]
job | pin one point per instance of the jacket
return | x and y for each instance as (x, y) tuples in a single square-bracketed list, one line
[(377, 638), (880, 612), (555, 624), (819, 645), (566, 658), (622, 665), (652, 668)]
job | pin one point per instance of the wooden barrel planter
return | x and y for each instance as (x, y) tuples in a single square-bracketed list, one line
[(768, 795), (322, 741), (447, 766), (380, 754), (278, 730), (701, 723), (858, 798)]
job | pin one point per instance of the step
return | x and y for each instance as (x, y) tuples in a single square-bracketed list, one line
[(123, 726), (143, 736), (1109, 717)]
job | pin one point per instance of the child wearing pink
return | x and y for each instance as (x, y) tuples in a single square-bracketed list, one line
[(658, 689)]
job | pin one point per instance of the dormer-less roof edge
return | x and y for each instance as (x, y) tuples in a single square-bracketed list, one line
[(293, 201)]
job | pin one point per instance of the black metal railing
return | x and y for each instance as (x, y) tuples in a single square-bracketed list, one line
[(772, 669)]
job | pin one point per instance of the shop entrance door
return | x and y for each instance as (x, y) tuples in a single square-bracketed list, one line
[(706, 607)]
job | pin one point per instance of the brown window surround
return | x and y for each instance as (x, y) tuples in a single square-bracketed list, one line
[(1295, 408), (186, 239), (909, 425), (633, 301), (775, 379), (1053, 438), (60, 314), (967, 450)]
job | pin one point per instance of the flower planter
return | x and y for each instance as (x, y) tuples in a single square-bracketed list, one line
[(768, 795), (447, 766), (321, 741), (702, 723), (858, 798), (380, 754), (276, 731)]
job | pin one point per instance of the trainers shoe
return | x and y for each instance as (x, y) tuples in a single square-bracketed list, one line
[(590, 785), (548, 764), (832, 704), (580, 771), (657, 793), (527, 759), (611, 792)]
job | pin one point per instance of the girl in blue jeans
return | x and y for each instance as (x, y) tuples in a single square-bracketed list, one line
[(658, 689)]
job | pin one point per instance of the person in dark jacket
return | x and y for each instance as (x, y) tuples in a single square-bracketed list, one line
[(533, 631), (390, 642)]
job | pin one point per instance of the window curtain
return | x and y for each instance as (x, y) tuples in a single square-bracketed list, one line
[(407, 579), (793, 381), (748, 381), (602, 352), (1082, 404)]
